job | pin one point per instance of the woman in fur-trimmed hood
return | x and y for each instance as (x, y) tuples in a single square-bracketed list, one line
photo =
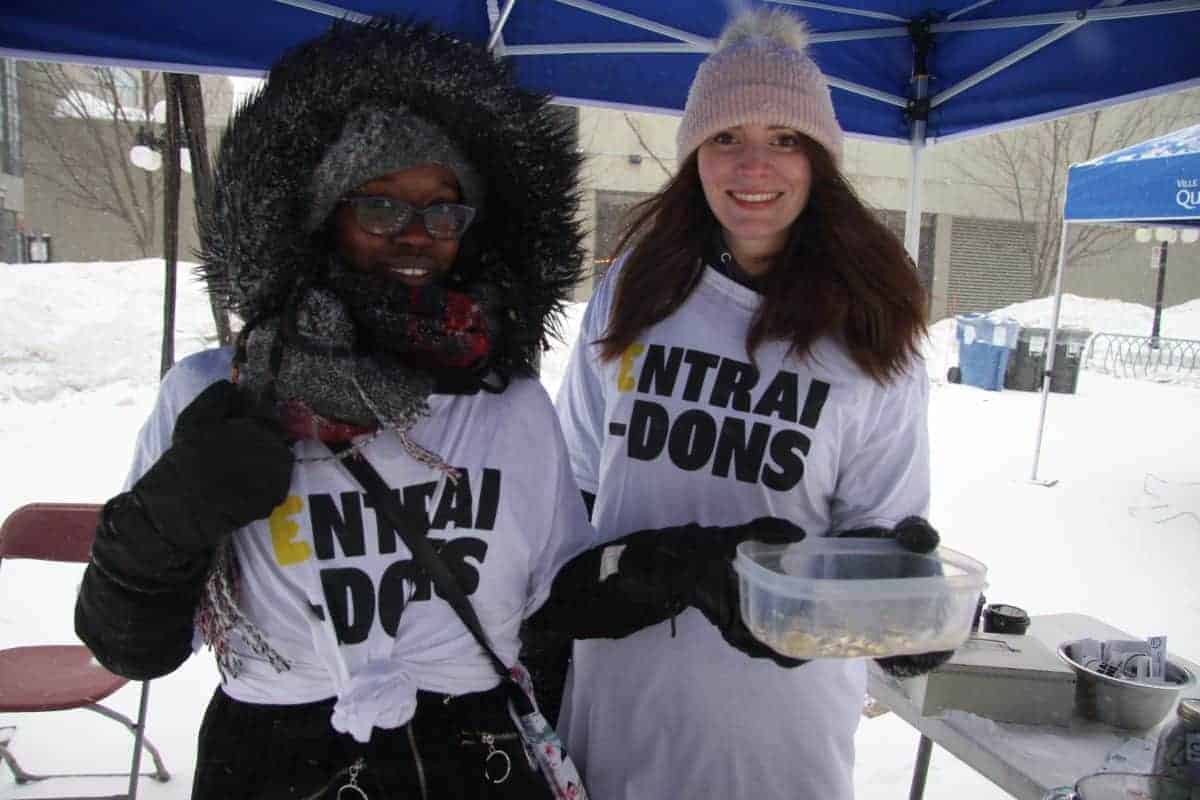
[(393, 220), (274, 184)]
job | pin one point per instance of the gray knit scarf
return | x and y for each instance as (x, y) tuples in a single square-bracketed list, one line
[(314, 353)]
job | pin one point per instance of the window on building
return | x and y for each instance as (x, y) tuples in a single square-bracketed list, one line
[(612, 215), (128, 87), (990, 263)]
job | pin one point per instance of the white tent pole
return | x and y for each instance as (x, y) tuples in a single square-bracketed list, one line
[(858, 12), (640, 22), (1058, 280), (912, 219), (498, 24), (918, 114), (328, 10)]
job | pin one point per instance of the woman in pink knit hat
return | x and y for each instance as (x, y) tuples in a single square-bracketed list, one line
[(748, 369)]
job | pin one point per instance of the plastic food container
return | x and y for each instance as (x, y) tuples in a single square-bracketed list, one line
[(848, 598)]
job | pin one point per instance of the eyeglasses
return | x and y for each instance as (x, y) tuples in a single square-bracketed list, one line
[(386, 216)]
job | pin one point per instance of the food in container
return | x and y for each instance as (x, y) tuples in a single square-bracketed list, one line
[(845, 598)]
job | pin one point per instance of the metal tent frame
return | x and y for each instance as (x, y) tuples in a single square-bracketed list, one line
[(1136, 185), (906, 71)]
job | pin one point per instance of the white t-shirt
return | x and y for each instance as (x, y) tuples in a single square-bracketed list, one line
[(334, 589), (683, 428)]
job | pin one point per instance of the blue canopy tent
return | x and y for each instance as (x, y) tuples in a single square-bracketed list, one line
[(1155, 182), (911, 71)]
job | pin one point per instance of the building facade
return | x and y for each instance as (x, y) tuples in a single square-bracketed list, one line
[(12, 183), (988, 227), (85, 196)]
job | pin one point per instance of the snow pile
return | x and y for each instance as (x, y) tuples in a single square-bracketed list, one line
[(73, 327), (1108, 316), (1094, 315), (1117, 537), (554, 362)]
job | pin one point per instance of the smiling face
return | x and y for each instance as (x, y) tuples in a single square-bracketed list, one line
[(756, 180), (410, 256)]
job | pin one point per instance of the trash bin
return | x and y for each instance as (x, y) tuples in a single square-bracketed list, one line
[(984, 343), (1028, 362), (37, 248)]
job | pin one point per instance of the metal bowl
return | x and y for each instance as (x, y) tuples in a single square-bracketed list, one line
[(1126, 786), (1124, 703)]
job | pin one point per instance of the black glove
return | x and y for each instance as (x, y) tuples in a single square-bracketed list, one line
[(136, 634), (916, 535), (673, 568), (546, 656), (911, 666), (229, 464)]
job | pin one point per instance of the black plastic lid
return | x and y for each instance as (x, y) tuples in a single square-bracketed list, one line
[(1008, 613)]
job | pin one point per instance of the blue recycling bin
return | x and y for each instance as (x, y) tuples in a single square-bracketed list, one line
[(984, 344)]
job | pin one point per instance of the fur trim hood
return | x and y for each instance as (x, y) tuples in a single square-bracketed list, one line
[(526, 240)]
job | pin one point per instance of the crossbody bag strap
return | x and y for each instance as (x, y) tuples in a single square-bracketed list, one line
[(413, 528)]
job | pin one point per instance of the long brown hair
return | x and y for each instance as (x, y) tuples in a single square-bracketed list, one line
[(841, 273)]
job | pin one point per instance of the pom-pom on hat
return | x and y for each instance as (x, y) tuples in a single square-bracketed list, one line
[(760, 73)]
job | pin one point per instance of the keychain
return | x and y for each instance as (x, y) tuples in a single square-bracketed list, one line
[(490, 741), (352, 789)]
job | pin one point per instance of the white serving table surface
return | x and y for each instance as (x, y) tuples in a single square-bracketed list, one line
[(1026, 761)]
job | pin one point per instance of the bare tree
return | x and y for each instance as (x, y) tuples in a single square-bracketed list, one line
[(85, 120), (641, 140), (1027, 169)]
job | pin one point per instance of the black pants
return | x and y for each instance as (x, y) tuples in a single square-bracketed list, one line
[(263, 752)]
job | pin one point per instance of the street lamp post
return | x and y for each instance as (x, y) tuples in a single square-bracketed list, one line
[(147, 151), (183, 108), (1165, 238), (151, 153)]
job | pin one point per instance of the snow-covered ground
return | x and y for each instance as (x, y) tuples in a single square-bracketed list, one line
[(1118, 536)]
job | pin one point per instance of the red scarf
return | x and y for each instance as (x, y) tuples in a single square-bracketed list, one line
[(301, 422)]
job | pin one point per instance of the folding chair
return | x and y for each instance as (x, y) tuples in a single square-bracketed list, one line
[(61, 677)]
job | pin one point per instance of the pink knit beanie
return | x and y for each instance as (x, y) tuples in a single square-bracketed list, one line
[(760, 72)]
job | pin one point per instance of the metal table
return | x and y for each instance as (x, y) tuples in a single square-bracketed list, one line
[(1079, 749)]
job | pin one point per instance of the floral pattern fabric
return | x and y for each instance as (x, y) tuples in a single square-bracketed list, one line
[(543, 746)]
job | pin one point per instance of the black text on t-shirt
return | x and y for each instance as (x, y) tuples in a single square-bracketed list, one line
[(352, 599), (748, 450)]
